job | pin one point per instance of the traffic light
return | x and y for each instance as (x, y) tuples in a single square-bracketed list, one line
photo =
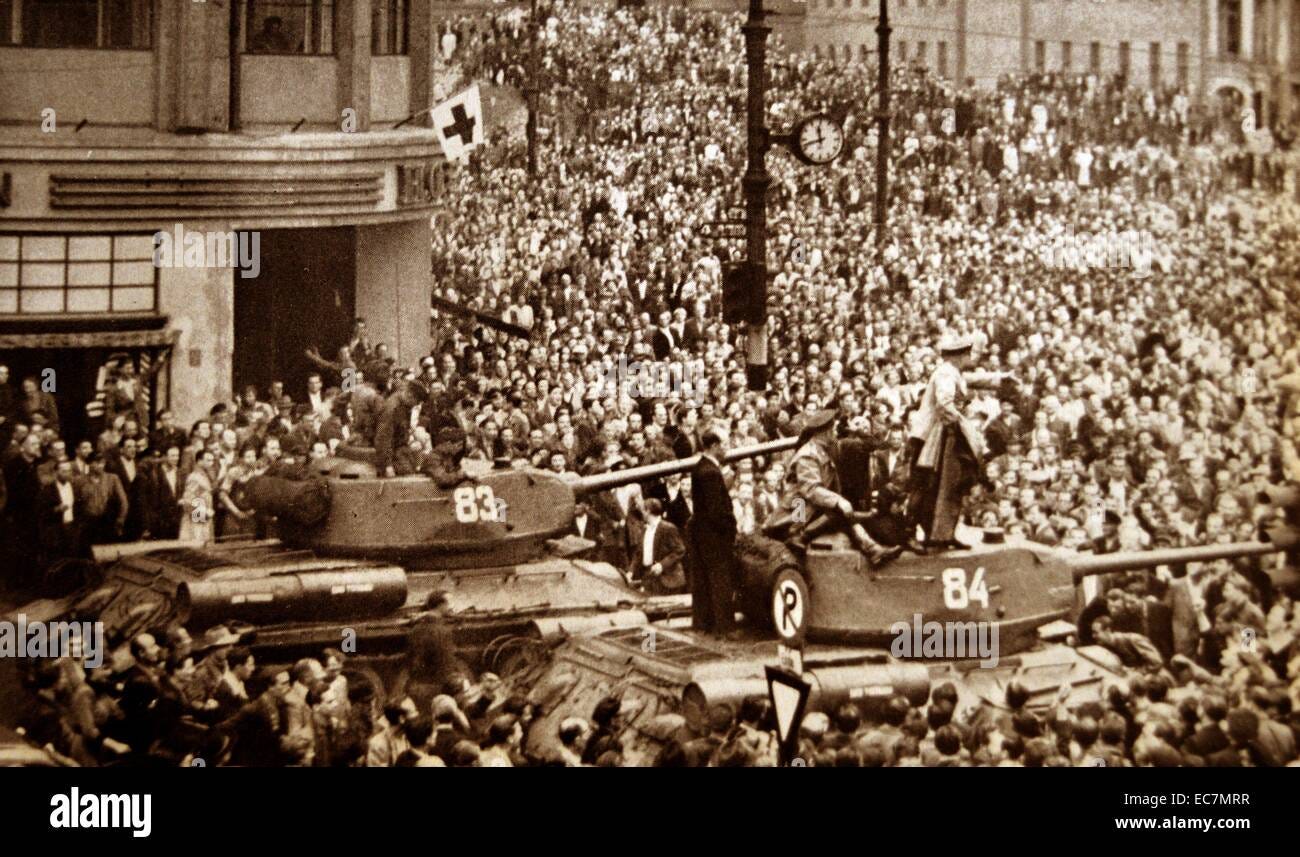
[(744, 294), (735, 292)]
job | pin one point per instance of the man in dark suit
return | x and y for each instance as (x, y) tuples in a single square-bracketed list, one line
[(126, 467), (167, 433), (162, 512), (675, 494), (683, 438), (999, 433), (20, 524), (694, 330), (889, 471), (588, 524), (59, 515), (663, 340), (712, 536), (1195, 489), (657, 553)]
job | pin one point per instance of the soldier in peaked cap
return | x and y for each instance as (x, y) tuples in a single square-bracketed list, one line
[(947, 449), (812, 501)]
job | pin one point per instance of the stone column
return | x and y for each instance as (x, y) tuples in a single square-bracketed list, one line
[(423, 34), (352, 46), (960, 45), (184, 69), (1026, 31)]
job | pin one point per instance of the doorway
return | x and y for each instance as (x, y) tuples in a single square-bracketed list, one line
[(304, 296)]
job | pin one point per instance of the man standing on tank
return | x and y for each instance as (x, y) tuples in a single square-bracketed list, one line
[(711, 540)]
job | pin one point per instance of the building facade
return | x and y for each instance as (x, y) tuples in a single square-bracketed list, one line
[(294, 131), (1246, 50)]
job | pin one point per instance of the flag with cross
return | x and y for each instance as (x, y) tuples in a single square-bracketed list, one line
[(459, 123)]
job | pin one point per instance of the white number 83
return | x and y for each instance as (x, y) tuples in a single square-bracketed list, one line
[(475, 503), (956, 594)]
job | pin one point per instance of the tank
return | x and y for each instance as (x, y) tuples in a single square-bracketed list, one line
[(833, 595), (359, 556), (502, 517), (859, 633)]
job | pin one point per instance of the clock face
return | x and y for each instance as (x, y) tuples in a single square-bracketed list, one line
[(819, 139)]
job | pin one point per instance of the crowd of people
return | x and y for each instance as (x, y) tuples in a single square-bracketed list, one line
[(162, 698), (1151, 392)]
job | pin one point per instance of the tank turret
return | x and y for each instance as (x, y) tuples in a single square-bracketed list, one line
[(1016, 587), (502, 517)]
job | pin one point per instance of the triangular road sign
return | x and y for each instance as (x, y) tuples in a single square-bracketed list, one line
[(789, 695)]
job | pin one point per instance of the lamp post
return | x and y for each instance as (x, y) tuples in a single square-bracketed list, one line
[(815, 140), (882, 120), (530, 91), (755, 184)]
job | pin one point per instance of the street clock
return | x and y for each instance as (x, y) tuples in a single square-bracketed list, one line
[(817, 139)]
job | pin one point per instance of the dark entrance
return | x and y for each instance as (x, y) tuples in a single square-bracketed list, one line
[(304, 295), (76, 373)]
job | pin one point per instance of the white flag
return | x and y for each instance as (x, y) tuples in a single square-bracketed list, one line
[(459, 123)]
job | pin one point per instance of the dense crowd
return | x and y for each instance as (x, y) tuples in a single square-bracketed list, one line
[(1116, 250)]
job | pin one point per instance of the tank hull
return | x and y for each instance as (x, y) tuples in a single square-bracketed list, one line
[(672, 679)]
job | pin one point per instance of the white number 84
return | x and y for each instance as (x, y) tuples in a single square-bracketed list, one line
[(475, 503), (957, 596)]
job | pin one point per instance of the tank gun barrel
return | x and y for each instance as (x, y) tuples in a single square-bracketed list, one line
[(1085, 565), (603, 481)]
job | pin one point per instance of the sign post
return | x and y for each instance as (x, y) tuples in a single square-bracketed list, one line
[(789, 696)]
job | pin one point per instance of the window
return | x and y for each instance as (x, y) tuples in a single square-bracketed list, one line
[(43, 274), (1125, 58), (943, 59), (902, 51), (289, 27), (1184, 57), (1067, 56), (77, 23), (863, 52), (1094, 57), (1040, 55), (388, 34), (922, 49), (1230, 27), (1155, 63)]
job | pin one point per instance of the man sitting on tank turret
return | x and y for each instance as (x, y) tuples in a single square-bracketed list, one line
[(444, 465), (812, 503)]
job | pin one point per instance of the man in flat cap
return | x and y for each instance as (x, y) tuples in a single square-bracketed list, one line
[(947, 449), (812, 501)]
